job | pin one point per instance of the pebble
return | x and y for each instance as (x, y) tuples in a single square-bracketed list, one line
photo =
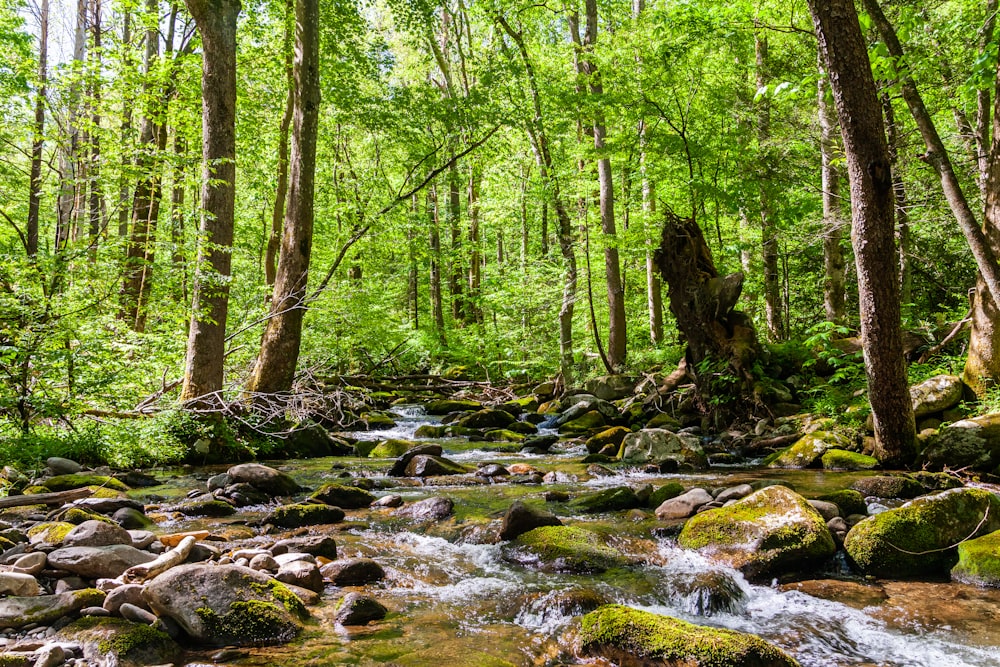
[(130, 612), (263, 561)]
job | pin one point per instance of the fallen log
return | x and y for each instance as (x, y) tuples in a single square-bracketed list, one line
[(139, 573), (54, 498)]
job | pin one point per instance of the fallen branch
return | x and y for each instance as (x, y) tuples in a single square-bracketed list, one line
[(139, 573), (947, 339), (773, 443), (54, 498)]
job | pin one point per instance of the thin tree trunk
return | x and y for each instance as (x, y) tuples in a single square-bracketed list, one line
[(279, 350), (413, 281), (437, 305), (654, 292), (525, 238), (456, 275), (845, 52), (899, 197), (545, 229), (38, 142), (177, 216), (203, 371), (768, 229), (834, 265), (126, 128), (96, 201), (281, 191), (475, 256)]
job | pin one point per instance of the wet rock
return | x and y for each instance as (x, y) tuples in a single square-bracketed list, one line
[(207, 506), (488, 418), (562, 549), (300, 514), (316, 545), (268, 480), (390, 500), (353, 572), (807, 451), (491, 470), (631, 637), (826, 510), (302, 574), (608, 437), (105, 562), (399, 466), (445, 405), (428, 509), (358, 609), (520, 518), (391, 448), (585, 423), (243, 495), (979, 562), (555, 496), (967, 443), (18, 584), (503, 435), (766, 533), (97, 534), (77, 480), (936, 481), (17, 612), (853, 594), (344, 497), (919, 538), (708, 593), (607, 500), (734, 493), (127, 593), (838, 459), (220, 481), (848, 500), (226, 604), (60, 466), (888, 487), (936, 394), (311, 440), (663, 493), (657, 446), (684, 505), (131, 519), (433, 466)]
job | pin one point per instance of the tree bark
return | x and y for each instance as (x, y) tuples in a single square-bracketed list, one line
[(899, 198), (845, 53), (768, 229), (437, 302), (456, 274), (834, 266), (279, 350), (203, 372), (38, 142), (281, 190), (475, 256), (96, 199)]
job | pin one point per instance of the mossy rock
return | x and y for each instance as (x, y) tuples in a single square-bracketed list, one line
[(807, 451), (936, 481), (562, 549), (839, 459), (584, 423), (488, 418), (979, 562), (889, 486), (628, 636), (390, 449), (525, 403), (503, 435), (665, 492), (663, 420), (210, 508), (17, 612), (76, 516), (81, 479), (124, 642), (49, 532), (344, 497), (299, 515), (363, 448), (848, 500), (430, 431), (608, 437), (377, 421), (606, 500), (919, 538), (445, 405), (768, 532)]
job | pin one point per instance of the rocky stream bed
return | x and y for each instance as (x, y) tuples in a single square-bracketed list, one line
[(451, 550)]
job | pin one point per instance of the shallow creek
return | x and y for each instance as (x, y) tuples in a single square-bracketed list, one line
[(456, 603)]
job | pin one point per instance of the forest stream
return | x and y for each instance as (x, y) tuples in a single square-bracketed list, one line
[(454, 601)]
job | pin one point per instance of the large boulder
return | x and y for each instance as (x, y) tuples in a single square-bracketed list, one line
[(95, 533), (657, 445), (610, 387), (520, 518), (108, 642), (487, 418), (16, 612), (628, 636), (683, 505), (428, 509), (271, 481), (610, 438), (768, 532), (445, 405), (920, 537), (312, 441), (979, 561), (424, 465), (98, 562), (301, 514), (936, 394), (888, 486), (391, 448), (227, 604), (344, 497), (969, 443), (607, 500), (808, 451), (562, 549)]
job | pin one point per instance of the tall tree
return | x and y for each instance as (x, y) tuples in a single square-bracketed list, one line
[(38, 142), (768, 228), (845, 53), (203, 370), (281, 191), (834, 273), (279, 350)]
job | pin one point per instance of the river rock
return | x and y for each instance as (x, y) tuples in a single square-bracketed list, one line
[(399, 466), (610, 387), (764, 534), (30, 563), (443, 406), (271, 481), (433, 466), (850, 501), (968, 443), (657, 445), (125, 594), (131, 612), (391, 448), (226, 604), (839, 459), (520, 518), (487, 418), (309, 440), (684, 505), (316, 545), (606, 500), (131, 519), (358, 609), (888, 486), (18, 584), (979, 561), (826, 509), (808, 451), (628, 636), (97, 534), (80, 479), (585, 423), (734, 493), (708, 592), (49, 533), (562, 549), (428, 509), (16, 612), (353, 572), (920, 537), (105, 562), (60, 466), (936, 394), (608, 438), (301, 514), (109, 642), (107, 506), (302, 574), (344, 497)]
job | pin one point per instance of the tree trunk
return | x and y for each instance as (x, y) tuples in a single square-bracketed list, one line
[(279, 350), (178, 216), (203, 372), (281, 191), (654, 292), (38, 142), (475, 259), (834, 266), (722, 344), (899, 197), (96, 200), (437, 304), (854, 93), (768, 229), (456, 274)]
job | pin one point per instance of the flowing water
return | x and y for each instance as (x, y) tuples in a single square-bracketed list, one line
[(454, 602)]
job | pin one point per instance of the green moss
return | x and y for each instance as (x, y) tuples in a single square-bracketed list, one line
[(839, 459), (52, 532), (665, 492), (391, 449), (563, 549), (297, 515), (848, 500), (289, 600), (133, 636), (76, 516), (979, 561), (75, 481), (631, 636), (808, 450), (430, 431), (584, 423), (444, 406), (249, 622), (503, 435), (607, 500)]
